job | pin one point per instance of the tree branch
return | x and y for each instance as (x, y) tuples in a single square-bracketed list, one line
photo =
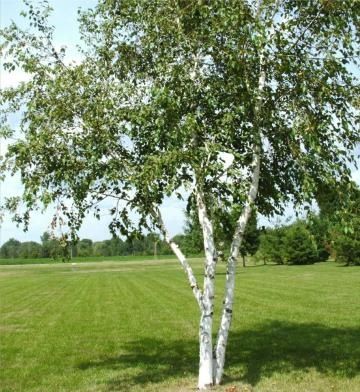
[(208, 235), (156, 214), (301, 35)]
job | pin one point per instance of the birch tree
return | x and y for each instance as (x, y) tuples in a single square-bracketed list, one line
[(221, 103)]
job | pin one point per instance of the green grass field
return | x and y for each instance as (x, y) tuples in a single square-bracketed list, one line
[(132, 326), (97, 259)]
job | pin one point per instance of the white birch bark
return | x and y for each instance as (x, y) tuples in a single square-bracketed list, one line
[(181, 257), (206, 378), (205, 299), (223, 333)]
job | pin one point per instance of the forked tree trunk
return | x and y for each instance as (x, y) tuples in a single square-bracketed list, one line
[(223, 333), (212, 359)]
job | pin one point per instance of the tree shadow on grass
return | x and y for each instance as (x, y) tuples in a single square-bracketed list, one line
[(252, 354), (284, 347)]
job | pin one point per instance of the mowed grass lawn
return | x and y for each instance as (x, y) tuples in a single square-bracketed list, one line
[(132, 326)]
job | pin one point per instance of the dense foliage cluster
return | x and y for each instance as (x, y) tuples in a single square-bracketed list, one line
[(333, 232), (292, 244), (344, 226)]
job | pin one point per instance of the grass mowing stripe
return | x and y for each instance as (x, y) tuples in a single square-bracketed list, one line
[(171, 300), (34, 295), (148, 344), (33, 332), (110, 326), (96, 259)]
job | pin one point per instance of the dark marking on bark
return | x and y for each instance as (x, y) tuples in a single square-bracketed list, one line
[(208, 315), (228, 310)]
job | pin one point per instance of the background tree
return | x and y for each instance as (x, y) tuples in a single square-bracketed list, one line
[(272, 245), (85, 248), (338, 222), (345, 233), (10, 249), (251, 240), (192, 242), (30, 250), (291, 244), (164, 91), (347, 245), (299, 245), (102, 248), (319, 227), (46, 244), (54, 248)]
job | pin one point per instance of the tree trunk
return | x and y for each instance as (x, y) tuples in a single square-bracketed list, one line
[(243, 259), (206, 359), (206, 376), (223, 333), (205, 299)]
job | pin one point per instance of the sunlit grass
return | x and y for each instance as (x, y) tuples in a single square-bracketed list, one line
[(19, 260), (132, 325)]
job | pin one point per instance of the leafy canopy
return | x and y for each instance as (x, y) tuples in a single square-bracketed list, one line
[(166, 88)]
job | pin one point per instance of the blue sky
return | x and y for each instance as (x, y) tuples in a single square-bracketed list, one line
[(64, 18)]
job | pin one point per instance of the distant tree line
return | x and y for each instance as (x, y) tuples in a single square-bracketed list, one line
[(333, 232), (55, 248)]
